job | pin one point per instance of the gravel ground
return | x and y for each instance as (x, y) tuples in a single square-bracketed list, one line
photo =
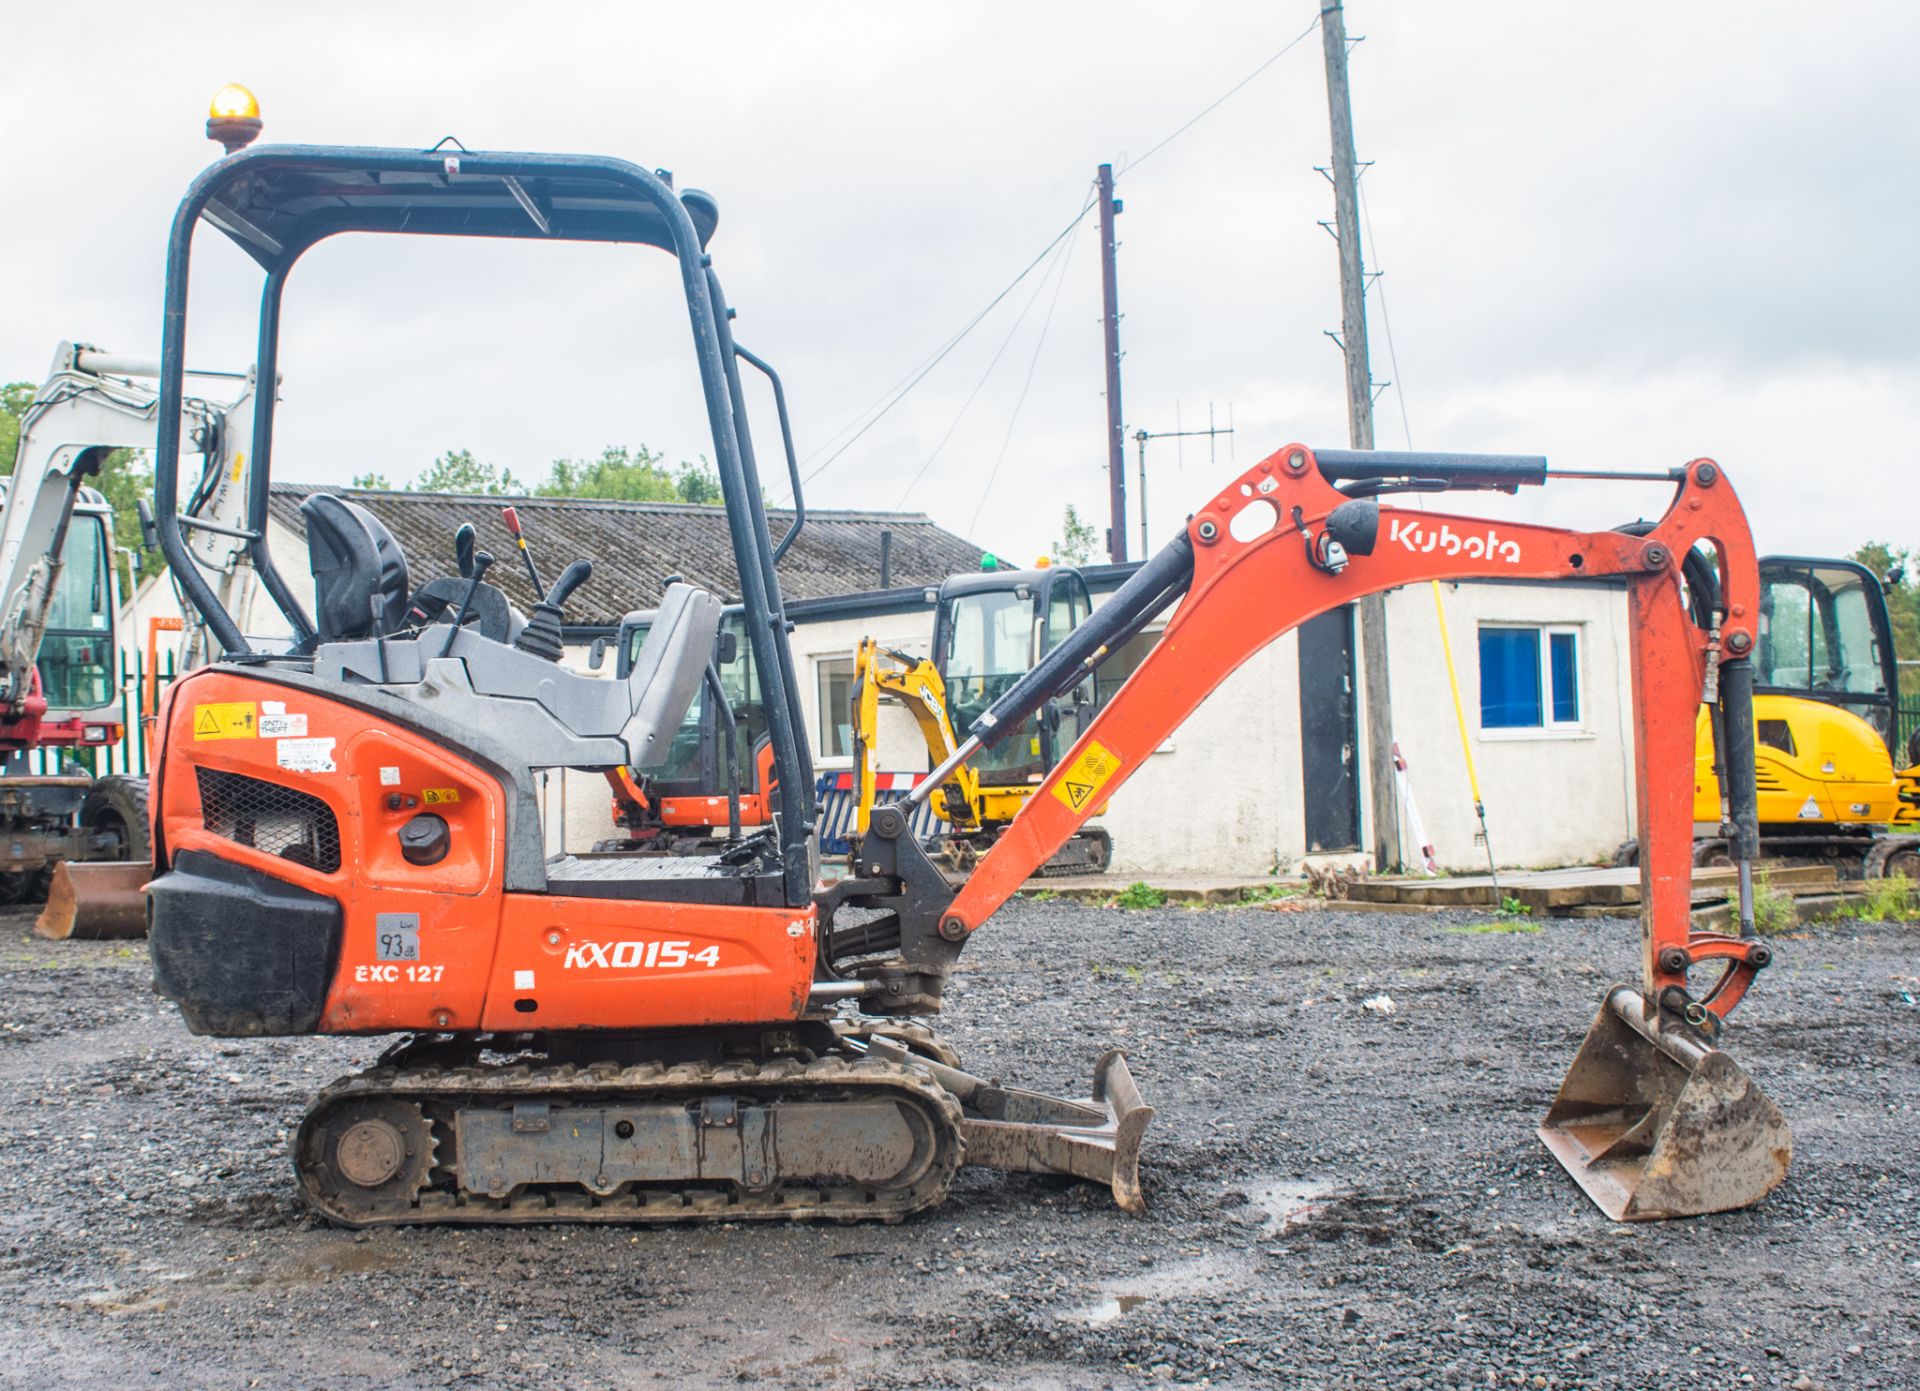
[(1338, 1197)]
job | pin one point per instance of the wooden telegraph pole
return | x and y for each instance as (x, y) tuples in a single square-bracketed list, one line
[(1353, 344), (1110, 320)]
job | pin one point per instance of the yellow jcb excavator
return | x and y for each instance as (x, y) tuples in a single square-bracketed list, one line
[(989, 630), (1828, 764)]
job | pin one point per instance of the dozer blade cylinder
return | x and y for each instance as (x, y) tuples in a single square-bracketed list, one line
[(96, 902), (1653, 1121)]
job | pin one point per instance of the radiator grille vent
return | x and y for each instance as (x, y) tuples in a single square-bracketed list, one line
[(274, 820)]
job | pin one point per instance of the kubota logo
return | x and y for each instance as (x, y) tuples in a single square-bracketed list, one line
[(638, 956), (1411, 534)]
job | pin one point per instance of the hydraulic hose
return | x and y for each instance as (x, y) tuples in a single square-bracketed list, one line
[(1148, 590), (1743, 799)]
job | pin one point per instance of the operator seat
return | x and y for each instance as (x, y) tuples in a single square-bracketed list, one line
[(355, 561)]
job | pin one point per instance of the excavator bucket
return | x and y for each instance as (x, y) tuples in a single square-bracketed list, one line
[(1097, 1139), (1653, 1121), (95, 902)]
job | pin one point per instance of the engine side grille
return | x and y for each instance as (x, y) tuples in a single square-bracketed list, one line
[(272, 819)]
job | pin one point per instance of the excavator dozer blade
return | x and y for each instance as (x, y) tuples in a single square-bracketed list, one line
[(1656, 1122), (1097, 1139), (95, 902)]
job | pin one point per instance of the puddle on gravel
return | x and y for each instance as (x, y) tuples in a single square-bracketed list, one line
[(1182, 1279), (1107, 1310), (1289, 1202)]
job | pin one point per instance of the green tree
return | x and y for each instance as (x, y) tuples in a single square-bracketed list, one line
[(457, 471), (698, 483), (126, 476), (619, 474), (1075, 546), (636, 475), (1903, 600), (15, 397)]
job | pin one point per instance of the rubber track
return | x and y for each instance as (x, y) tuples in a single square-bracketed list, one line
[(1884, 849), (616, 1084)]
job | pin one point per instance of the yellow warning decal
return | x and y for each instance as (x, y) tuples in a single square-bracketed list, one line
[(1085, 776), (229, 720), (433, 796)]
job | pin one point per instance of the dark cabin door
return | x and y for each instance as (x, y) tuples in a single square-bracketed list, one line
[(1329, 742)]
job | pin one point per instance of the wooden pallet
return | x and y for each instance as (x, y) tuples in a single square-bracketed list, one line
[(1560, 891)]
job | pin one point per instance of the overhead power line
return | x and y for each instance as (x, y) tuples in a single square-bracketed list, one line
[(1033, 364), (893, 396), (882, 405), (1220, 100), (1386, 320), (992, 363)]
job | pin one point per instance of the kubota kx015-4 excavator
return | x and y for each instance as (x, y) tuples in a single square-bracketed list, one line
[(347, 837)]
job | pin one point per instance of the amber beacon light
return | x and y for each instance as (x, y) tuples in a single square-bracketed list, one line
[(233, 118)]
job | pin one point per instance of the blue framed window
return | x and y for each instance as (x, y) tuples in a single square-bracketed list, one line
[(1529, 678)]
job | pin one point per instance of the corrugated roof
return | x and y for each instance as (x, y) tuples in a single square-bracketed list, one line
[(634, 546)]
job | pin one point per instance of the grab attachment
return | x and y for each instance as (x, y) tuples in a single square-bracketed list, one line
[(1653, 1121)]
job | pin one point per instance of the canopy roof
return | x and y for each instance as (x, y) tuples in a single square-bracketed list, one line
[(275, 201)]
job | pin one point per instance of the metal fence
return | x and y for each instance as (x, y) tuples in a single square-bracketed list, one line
[(1906, 723)]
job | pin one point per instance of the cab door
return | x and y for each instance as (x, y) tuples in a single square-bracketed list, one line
[(1067, 607)]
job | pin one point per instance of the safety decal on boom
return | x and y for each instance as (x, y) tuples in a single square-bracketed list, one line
[(1085, 776), (228, 720)]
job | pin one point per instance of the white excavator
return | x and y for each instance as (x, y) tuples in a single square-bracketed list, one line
[(60, 677)]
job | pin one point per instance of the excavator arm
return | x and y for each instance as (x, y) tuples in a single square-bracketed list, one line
[(91, 404), (916, 684), (1260, 566), (1652, 1120)]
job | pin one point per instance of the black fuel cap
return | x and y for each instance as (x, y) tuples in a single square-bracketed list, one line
[(425, 839)]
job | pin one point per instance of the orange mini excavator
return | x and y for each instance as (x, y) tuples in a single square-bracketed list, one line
[(348, 841)]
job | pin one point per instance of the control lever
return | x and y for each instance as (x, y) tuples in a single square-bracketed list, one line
[(512, 518), (542, 636), (481, 564), (463, 543)]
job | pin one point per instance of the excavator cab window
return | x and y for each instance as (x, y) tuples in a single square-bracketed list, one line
[(76, 656), (1823, 634), (691, 764), (990, 642)]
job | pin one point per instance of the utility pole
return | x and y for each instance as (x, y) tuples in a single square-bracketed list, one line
[(1110, 320), (1353, 343)]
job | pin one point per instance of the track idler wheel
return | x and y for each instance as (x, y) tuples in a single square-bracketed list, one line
[(1894, 856), (1653, 1121), (367, 1157)]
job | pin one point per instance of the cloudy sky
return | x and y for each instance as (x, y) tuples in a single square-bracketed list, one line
[(1619, 234)]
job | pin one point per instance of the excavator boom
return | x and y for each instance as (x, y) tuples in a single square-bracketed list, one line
[(1297, 535)]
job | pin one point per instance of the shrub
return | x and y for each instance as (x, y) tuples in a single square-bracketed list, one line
[(1139, 895)]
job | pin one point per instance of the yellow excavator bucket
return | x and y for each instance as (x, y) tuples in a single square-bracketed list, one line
[(1654, 1121)]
